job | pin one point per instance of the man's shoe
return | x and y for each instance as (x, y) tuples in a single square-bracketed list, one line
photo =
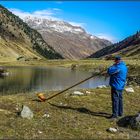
[(112, 118), (120, 116)]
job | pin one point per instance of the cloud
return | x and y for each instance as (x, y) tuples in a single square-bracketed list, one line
[(52, 14), (56, 9), (59, 2), (43, 13), (19, 12), (107, 36), (46, 14)]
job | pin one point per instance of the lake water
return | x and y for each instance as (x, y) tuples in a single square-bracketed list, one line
[(36, 79)]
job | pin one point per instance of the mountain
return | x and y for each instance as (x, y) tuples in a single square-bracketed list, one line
[(17, 39), (70, 41), (129, 47)]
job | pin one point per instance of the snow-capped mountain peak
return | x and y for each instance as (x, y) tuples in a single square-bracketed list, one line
[(56, 25), (68, 40)]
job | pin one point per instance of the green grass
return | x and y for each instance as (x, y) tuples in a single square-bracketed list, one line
[(70, 117), (82, 64)]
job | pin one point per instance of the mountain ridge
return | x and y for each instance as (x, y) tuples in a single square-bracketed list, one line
[(70, 41), (129, 47), (18, 39)]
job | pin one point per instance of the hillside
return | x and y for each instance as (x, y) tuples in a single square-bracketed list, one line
[(129, 47), (17, 39), (72, 42)]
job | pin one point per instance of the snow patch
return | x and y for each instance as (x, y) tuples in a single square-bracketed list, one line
[(93, 37), (59, 26)]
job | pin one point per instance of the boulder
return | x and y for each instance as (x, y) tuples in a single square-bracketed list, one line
[(112, 130), (26, 112), (135, 122), (102, 86), (129, 90), (77, 93), (88, 92)]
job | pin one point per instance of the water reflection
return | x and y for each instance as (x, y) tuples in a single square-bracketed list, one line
[(23, 79)]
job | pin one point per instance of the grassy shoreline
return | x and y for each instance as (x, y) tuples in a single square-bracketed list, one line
[(89, 65)]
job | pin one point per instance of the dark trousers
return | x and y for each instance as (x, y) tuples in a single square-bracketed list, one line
[(117, 102)]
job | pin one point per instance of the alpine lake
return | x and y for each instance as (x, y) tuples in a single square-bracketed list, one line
[(38, 78)]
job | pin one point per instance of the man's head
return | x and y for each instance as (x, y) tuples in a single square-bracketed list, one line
[(117, 59)]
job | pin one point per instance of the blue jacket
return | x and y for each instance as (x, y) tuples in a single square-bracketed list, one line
[(118, 75)]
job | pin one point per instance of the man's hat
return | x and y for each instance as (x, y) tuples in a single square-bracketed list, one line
[(117, 58)]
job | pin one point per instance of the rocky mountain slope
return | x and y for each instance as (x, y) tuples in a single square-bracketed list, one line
[(18, 39), (129, 47), (70, 41)]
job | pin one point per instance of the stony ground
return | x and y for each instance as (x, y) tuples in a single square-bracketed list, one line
[(70, 117)]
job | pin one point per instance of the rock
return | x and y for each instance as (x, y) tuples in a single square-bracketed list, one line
[(46, 116), (77, 93), (5, 74), (88, 92), (138, 118), (61, 103), (26, 112), (40, 132), (112, 130), (101, 86), (129, 90), (74, 66), (17, 109), (135, 122)]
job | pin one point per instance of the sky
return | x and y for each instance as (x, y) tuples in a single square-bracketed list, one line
[(112, 20)]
